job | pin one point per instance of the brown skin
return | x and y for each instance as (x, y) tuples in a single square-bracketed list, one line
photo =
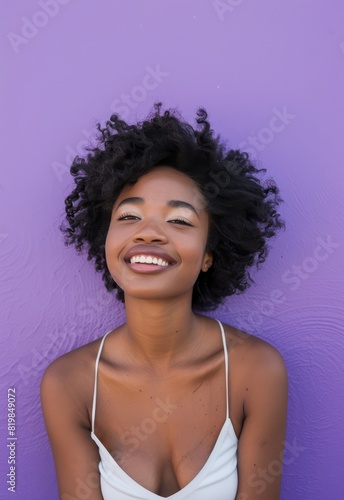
[(165, 352)]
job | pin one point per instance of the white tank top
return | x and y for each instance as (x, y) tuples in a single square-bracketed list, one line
[(218, 478)]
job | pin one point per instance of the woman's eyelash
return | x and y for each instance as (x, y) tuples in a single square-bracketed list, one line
[(181, 221), (126, 216)]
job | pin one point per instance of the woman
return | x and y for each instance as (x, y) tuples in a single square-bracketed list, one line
[(175, 404)]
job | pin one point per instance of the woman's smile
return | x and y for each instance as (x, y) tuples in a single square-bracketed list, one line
[(148, 259), (148, 264)]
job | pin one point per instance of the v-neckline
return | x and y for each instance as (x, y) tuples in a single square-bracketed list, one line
[(227, 424)]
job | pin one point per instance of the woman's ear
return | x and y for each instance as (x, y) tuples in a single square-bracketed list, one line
[(207, 261)]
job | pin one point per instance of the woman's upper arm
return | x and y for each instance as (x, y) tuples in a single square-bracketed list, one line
[(75, 454), (261, 442)]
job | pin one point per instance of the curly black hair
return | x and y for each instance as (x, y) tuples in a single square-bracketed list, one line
[(242, 207)]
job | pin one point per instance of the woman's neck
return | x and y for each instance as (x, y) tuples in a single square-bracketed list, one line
[(160, 331)]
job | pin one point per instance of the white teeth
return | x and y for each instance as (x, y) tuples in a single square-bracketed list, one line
[(148, 259)]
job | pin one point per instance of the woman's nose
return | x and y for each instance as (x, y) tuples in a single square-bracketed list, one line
[(150, 232)]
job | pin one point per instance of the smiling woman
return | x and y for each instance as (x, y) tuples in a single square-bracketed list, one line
[(173, 403), (152, 226)]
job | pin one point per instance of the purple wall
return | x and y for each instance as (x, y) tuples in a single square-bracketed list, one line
[(271, 75)]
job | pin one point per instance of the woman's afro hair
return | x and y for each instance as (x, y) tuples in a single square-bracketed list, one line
[(242, 208)]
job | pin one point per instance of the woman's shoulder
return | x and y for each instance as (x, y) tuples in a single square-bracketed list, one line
[(68, 382), (252, 352), (75, 368)]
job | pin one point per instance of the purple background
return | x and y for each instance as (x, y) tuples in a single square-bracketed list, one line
[(246, 62)]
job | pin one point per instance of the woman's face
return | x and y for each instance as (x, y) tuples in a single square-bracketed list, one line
[(155, 246)]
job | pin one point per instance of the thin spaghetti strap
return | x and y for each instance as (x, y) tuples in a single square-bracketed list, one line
[(95, 380), (226, 364)]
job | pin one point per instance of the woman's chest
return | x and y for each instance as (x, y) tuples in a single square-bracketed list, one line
[(163, 436)]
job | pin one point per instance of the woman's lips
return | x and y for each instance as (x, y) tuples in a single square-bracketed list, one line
[(148, 259)]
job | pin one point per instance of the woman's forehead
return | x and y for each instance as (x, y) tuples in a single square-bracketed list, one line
[(164, 186), (162, 183)]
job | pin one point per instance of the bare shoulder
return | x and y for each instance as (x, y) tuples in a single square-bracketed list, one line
[(254, 355), (73, 365), (259, 410), (66, 397), (70, 379)]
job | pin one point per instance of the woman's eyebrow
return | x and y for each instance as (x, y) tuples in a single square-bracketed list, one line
[(184, 204), (136, 200)]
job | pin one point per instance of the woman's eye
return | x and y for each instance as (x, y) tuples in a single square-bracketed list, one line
[(127, 217), (181, 221)]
